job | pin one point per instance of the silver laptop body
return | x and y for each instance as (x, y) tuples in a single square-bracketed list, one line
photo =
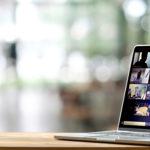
[(134, 120)]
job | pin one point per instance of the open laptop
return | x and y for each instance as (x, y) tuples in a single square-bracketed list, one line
[(134, 121)]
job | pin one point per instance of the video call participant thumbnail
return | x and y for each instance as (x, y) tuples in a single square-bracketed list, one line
[(142, 62)]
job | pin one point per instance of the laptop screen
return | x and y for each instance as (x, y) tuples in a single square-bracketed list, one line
[(136, 106)]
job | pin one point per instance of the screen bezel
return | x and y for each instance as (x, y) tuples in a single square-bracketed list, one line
[(138, 48)]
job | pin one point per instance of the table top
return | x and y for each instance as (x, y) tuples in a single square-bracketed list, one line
[(23, 140)]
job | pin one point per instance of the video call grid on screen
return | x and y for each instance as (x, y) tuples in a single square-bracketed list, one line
[(136, 108)]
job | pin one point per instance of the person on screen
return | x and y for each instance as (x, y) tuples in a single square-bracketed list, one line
[(138, 78), (143, 93), (142, 62), (148, 95), (137, 93)]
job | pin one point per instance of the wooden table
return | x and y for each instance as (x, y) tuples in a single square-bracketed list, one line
[(45, 141)]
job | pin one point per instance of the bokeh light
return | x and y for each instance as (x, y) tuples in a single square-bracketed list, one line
[(134, 8)]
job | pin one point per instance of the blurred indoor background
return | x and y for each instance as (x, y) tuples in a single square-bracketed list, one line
[(63, 63)]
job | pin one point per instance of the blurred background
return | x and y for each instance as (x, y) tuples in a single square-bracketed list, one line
[(63, 63)]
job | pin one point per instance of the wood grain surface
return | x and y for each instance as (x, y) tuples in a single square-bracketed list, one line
[(24, 140)]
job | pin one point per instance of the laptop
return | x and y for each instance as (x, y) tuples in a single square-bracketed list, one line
[(134, 120)]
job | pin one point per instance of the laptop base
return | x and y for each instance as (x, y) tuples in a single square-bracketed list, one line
[(121, 137)]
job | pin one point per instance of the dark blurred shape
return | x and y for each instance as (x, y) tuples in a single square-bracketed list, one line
[(91, 107), (12, 53), (76, 107)]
